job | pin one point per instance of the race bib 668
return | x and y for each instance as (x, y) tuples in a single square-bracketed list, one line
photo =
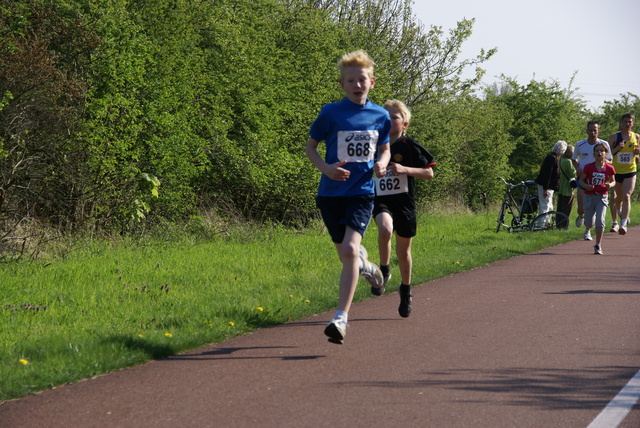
[(357, 146)]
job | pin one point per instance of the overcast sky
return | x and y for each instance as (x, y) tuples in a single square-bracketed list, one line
[(550, 40)]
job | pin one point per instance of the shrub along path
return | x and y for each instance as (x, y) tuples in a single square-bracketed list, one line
[(544, 339)]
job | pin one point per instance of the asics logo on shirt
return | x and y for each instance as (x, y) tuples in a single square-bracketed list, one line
[(358, 137)]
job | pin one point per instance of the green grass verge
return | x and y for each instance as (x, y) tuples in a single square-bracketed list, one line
[(106, 306)]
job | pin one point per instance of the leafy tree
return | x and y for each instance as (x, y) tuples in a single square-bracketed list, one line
[(416, 65), (44, 48), (543, 113), (174, 81), (276, 65), (142, 112), (113, 110), (470, 142), (609, 115)]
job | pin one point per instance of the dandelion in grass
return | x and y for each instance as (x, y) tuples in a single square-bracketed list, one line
[(291, 295), (168, 334), (259, 309), (307, 301), (23, 361), (231, 323), (141, 335)]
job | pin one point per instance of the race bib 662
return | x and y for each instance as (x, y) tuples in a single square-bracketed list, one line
[(391, 184)]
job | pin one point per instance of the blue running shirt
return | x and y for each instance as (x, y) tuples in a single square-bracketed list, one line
[(351, 132)]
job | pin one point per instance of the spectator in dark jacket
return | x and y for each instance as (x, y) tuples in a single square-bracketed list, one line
[(548, 179)]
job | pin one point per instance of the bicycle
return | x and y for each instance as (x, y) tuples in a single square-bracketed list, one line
[(524, 214)]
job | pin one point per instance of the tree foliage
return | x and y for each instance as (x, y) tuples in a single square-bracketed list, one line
[(542, 113), (117, 113), (417, 65), (611, 112), (470, 142), (43, 53)]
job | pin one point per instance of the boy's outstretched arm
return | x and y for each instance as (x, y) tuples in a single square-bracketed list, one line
[(333, 171), (384, 156), (425, 173)]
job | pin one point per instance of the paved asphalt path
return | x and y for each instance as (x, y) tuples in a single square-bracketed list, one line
[(541, 340)]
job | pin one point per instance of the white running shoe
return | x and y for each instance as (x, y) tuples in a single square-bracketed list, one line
[(370, 271), (336, 330), (379, 291), (363, 253), (623, 226), (597, 249), (579, 221), (587, 235), (614, 227)]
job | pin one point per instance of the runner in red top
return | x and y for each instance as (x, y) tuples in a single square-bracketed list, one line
[(596, 180)]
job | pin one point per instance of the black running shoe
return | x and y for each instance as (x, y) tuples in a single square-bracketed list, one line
[(386, 277), (405, 300), (377, 291)]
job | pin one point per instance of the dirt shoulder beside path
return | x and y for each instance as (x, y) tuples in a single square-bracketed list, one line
[(541, 340)]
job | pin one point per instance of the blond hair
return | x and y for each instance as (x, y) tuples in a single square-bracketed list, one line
[(401, 107), (356, 59), (569, 152)]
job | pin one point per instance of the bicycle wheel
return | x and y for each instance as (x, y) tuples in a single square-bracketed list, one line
[(550, 221)]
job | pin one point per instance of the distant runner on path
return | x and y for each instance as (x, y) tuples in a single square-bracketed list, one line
[(625, 151), (583, 155)]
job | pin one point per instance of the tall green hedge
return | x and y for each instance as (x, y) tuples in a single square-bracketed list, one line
[(117, 113)]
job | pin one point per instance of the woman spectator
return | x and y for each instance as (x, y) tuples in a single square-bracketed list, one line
[(567, 184)]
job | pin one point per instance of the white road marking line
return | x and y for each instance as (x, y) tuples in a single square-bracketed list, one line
[(615, 412)]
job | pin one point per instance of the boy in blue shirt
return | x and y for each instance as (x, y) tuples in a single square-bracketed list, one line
[(353, 130)]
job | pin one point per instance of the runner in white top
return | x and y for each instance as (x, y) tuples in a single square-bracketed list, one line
[(583, 155)]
